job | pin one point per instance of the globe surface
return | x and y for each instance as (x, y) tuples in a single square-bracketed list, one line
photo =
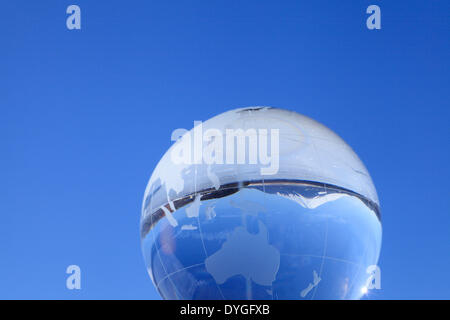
[(309, 230)]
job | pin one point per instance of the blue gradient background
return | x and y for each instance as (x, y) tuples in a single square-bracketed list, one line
[(86, 115)]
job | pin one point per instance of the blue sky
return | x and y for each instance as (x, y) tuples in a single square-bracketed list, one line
[(86, 115)]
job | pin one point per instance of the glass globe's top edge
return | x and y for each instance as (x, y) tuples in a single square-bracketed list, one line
[(309, 151)]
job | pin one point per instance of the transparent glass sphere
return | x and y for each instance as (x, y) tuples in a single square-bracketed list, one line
[(260, 203)]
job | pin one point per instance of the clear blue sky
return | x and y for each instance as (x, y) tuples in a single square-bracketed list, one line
[(86, 115)]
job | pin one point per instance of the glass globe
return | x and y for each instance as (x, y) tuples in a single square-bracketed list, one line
[(260, 203)]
